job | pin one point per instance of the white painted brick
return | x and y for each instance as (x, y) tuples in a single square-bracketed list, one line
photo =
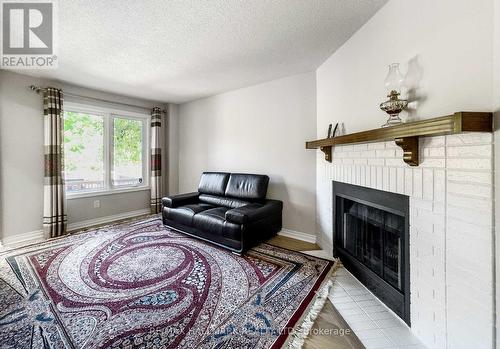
[(468, 201), (397, 162), (433, 162), (347, 161), (470, 215), (421, 204), (399, 153), (463, 247), (360, 147), (408, 181), (368, 176), (428, 184), (485, 191), (439, 208), (376, 162), (390, 144), (385, 178), (369, 154), (469, 138), (439, 185), (417, 183), (339, 156), (437, 152), (432, 141), (357, 174), (474, 231), (375, 146), (393, 179), (360, 161), (349, 174), (345, 148), (471, 177), (387, 153), (400, 180), (380, 182), (373, 176), (467, 275), (475, 151), (469, 164)]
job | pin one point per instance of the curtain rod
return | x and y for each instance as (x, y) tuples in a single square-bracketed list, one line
[(40, 89)]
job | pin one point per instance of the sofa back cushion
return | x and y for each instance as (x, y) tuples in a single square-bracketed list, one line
[(247, 186), (213, 183)]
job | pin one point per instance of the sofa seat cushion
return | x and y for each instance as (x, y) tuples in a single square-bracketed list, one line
[(214, 221), (222, 201), (185, 214)]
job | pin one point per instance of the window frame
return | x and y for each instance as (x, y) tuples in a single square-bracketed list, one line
[(108, 114)]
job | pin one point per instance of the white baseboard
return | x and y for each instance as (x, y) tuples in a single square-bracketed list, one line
[(23, 239), (298, 235), (108, 219), (37, 235), (325, 245)]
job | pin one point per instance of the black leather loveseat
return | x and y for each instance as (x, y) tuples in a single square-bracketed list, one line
[(230, 210)]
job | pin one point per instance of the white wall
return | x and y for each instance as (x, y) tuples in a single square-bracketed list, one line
[(258, 129), (446, 50), (496, 108), (21, 159), (445, 44)]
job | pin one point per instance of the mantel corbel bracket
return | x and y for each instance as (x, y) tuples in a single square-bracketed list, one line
[(410, 149), (327, 150)]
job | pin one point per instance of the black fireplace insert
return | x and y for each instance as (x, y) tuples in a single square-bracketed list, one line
[(371, 238)]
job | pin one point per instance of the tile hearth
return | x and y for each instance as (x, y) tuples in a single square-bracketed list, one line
[(374, 324)]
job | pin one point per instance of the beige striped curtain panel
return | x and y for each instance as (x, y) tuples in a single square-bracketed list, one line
[(54, 205), (156, 179)]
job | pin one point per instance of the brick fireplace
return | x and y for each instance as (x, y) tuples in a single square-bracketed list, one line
[(451, 228)]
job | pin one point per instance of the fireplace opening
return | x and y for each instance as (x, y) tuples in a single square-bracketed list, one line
[(372, 241)]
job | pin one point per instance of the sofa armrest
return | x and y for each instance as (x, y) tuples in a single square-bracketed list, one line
[(254, 212), (180, 200)]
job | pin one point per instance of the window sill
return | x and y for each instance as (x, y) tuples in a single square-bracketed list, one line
[(90, 194)]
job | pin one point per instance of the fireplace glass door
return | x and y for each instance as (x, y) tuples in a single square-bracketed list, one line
[(373, 237)]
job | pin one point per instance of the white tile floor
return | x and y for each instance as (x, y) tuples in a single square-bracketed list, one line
[(375, 325)]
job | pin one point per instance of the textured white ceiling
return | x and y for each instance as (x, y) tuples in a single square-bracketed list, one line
[(180, 50)]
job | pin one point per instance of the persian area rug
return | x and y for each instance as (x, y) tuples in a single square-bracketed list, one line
[(141, 285)]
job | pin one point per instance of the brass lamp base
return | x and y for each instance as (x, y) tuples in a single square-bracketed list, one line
[(393, 106), (393, 121)]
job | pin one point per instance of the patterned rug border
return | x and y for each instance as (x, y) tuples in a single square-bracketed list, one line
[(302, 253), (304, 317)]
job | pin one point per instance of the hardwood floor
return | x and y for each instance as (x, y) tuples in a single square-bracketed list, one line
[(292, 244), (330, 330)]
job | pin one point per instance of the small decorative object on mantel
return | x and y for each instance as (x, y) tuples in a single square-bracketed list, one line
[(335, 129), (329, 135), (393, 106)]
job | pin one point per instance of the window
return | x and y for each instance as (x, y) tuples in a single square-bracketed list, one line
[(127, 152), (104, 150)]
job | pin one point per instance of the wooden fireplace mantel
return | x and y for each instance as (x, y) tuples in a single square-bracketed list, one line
[(407, 135)]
